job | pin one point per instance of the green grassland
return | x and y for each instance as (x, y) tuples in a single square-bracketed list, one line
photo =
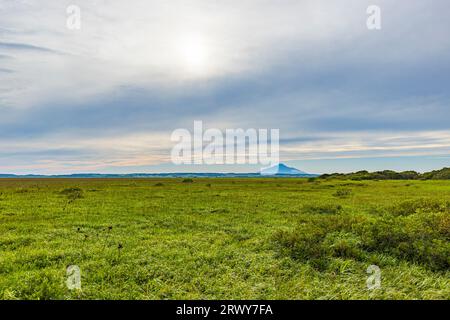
[(224, 238)]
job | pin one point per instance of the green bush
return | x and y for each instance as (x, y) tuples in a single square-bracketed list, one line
[(343, 244), (343, 193), (443, 174), (326, 208), (422, 205), (420, 238), (72, 193)]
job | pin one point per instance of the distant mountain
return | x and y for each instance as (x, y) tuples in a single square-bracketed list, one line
[(282, 169)]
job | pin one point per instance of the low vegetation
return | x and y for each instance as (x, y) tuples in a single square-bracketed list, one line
[(422, 237), (443, 174), (268, 238)]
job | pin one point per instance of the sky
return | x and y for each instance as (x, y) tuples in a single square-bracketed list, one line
[(107, 96)]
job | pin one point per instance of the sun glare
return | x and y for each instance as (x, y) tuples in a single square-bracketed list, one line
[(194, 55)]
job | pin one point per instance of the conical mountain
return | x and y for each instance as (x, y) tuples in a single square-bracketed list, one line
[(281, 169)]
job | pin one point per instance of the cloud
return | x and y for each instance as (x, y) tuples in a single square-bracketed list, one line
[(4, 70), (309, 68), (24, 47)]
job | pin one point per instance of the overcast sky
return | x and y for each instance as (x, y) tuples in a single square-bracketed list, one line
[(106, 97)]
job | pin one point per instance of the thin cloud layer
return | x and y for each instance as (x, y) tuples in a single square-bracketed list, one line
[(71, 100)]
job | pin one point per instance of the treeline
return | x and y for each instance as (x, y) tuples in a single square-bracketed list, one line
[(443, 174)]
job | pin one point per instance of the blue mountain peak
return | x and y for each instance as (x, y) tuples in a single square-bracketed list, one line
[(281, 169)]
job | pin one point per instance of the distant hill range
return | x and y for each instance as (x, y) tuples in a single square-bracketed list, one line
[(443, 174), (280, 170)]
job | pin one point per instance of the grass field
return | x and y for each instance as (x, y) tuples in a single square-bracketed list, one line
[(224, 238)]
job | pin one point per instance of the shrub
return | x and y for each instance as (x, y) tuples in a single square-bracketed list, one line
[(318, 238), (343, 193), (343, 244), (188, 180), (323, 209), (419, 238), (303, 244), (422, 205), (379, 175), (72, 193), (443, 174)]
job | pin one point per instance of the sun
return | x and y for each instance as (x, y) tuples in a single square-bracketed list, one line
[(194, 55)]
